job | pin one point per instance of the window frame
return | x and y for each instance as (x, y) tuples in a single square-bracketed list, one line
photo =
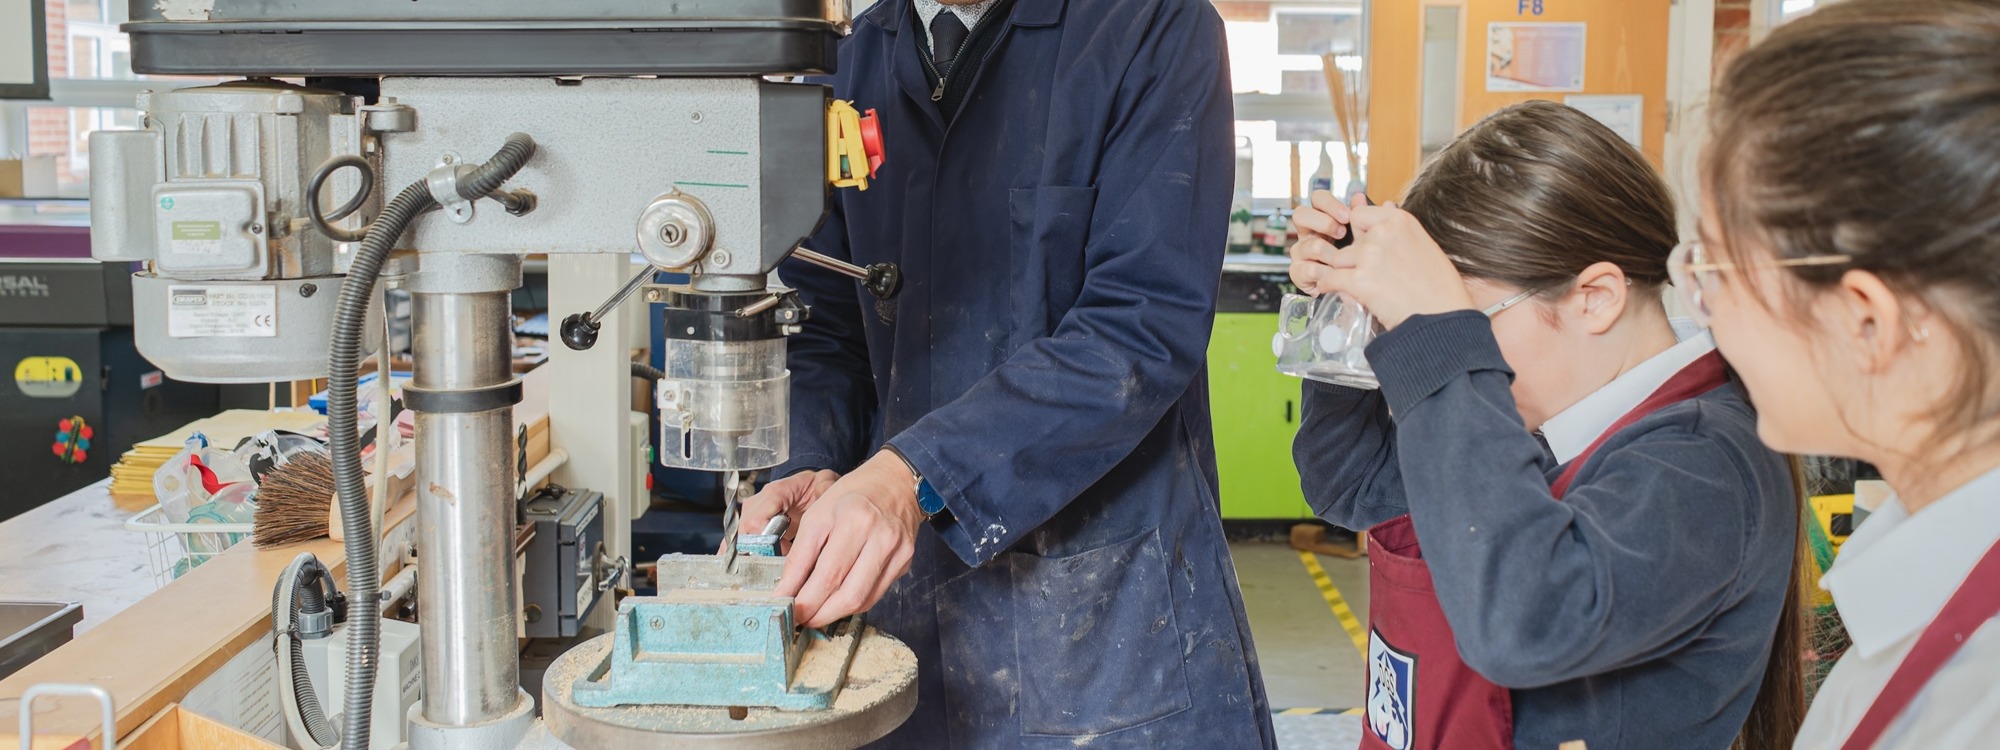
[(38, 30)]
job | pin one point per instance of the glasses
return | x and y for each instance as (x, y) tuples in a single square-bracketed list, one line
[(1510, 302), (1690, 269)]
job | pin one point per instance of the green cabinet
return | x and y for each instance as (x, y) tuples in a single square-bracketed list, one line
[(1256, 413)]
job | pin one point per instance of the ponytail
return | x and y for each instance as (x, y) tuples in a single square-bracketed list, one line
[(1781, 701)]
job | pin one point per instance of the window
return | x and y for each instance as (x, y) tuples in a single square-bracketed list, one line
[(1787, 10), (1278, 54), (84, 44)]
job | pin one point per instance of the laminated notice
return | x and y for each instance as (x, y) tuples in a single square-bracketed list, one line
[(232, 311)]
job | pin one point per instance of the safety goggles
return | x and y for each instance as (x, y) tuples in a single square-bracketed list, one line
[(1690, 269)]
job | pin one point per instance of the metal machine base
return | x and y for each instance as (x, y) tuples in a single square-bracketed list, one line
[(881, 692), (506, 731)]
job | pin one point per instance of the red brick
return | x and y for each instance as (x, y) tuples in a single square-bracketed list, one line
[(58, 33), (1732, 19)]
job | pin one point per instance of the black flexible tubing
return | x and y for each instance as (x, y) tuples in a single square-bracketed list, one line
[(364, 578)]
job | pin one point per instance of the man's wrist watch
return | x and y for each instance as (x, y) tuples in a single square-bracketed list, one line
[(928, 499)]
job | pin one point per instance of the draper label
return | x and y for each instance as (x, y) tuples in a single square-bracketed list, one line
[(228, 311), (48, 377)]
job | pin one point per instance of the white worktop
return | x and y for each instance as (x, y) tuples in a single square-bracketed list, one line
[(72, 549)]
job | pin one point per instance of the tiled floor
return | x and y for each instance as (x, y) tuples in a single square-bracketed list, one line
[(1309, 661), (1318, 732)]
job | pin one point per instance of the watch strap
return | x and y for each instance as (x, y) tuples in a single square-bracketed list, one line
[(928, 500)]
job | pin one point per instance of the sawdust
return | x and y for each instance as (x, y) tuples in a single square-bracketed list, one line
[(883, 671), (821, 667)]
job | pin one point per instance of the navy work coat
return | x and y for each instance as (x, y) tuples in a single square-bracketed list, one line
[(1043, 368)]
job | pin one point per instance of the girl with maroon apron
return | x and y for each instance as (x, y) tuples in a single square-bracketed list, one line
[(1410, 644), (1624, 581)]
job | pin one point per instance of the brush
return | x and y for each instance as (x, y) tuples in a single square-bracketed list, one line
[(293, 501)]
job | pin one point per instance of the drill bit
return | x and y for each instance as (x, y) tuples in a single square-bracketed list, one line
[(732, 508)]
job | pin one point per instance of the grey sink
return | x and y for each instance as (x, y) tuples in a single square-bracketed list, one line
[(30, 629)]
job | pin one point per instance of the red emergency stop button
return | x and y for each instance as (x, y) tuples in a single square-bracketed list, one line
[(871, 141)]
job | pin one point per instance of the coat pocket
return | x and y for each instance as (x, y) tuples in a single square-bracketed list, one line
[(1098, 643), (1050, 228), (976, 626)]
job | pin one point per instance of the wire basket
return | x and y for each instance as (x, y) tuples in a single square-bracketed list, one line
[(173, 549)]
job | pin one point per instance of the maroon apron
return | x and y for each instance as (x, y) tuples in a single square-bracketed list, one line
[(1421, 696), (1976, 601)]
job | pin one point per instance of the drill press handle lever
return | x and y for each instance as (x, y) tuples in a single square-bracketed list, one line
[(883, 280), (579, 331)]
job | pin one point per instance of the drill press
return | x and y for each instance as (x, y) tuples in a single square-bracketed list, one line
[(627, 122)]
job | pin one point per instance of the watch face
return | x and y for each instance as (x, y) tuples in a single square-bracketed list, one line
[(928, 499)]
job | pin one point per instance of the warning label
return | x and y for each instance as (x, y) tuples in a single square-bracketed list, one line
[(229, 311), (198, 238)]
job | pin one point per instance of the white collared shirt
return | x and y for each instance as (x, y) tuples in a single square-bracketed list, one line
[(970, 14), (1891, 579), (1571, 432)]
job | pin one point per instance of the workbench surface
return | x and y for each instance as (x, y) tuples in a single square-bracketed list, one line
[(76, 548)]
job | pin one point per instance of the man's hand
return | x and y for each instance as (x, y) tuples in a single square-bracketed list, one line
[(790, 496), (853, 542)]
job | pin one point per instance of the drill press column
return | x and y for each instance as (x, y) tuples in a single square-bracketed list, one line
[(464, 393)]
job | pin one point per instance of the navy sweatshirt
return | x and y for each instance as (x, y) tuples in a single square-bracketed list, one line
[(1638, 612)]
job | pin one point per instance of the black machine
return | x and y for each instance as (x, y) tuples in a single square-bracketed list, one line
[(76, 394), (565, 571)]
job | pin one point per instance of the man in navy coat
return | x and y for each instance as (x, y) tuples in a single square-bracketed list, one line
[(1024, 430)]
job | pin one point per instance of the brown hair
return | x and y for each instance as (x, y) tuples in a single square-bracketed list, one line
[(1872, 130), (1780, 708), (1531, 196), (1535, 193)]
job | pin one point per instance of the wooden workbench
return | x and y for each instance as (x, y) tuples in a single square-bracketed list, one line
[(147, 650)]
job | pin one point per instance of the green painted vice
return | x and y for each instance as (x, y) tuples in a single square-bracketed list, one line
[(718, 635)]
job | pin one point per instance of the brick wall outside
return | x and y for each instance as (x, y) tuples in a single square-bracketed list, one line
[(1732, 31), (49, 127)]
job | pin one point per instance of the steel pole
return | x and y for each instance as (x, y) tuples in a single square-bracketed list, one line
[(465, 504)]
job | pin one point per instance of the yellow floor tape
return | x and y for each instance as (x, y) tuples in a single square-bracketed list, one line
[(1341, 611)]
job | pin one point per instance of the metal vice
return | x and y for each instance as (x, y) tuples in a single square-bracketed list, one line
[(718, 635)]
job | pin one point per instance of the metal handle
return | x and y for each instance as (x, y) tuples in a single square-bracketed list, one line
[(883, 280), (103, 697), (617, 573), (579, 331)]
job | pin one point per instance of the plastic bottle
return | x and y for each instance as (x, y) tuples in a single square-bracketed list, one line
[(1276, 229), (1323, 178), (1241, 237)]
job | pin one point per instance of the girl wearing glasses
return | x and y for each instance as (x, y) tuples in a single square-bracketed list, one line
[(1851, 265), (1575, 533)]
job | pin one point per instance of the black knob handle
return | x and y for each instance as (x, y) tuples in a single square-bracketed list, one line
[(884, 280), (579, 332)]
